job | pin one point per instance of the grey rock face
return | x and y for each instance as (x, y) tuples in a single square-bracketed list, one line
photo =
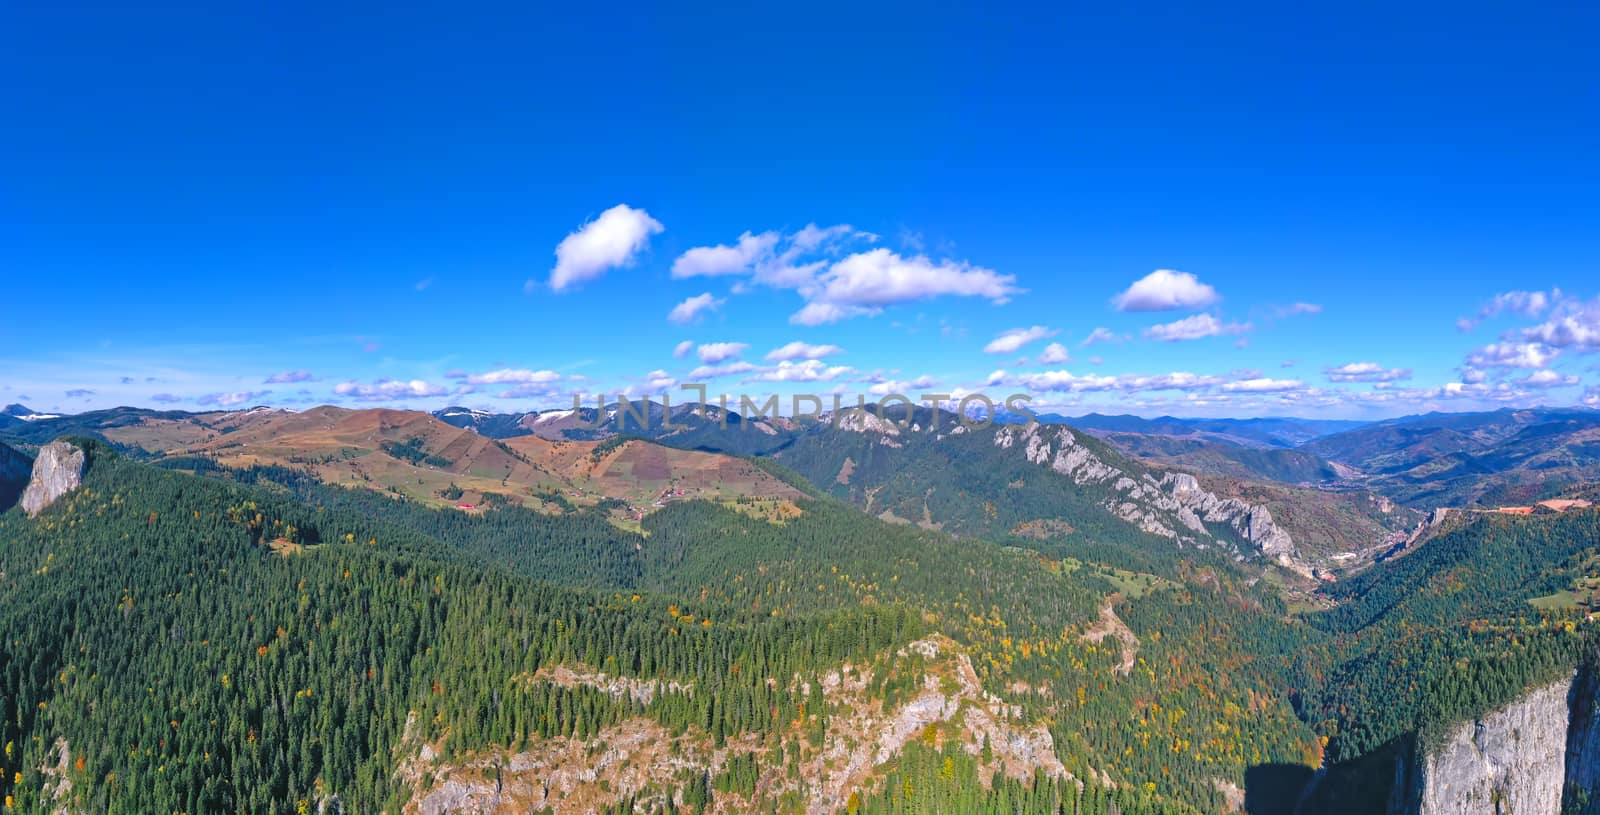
[(1510, 762), (57, 471), (1174, 505)]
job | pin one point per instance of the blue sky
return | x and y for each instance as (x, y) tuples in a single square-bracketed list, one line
[(1359, 210)]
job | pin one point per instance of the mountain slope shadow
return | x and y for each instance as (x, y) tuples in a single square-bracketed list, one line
[(1274, 789)]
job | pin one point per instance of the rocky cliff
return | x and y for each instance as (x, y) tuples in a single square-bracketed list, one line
[(1538, 755), (1172, 505), (639, 758), (57, 470)]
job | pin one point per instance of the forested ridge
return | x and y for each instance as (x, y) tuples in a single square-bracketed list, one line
[(257, 641)]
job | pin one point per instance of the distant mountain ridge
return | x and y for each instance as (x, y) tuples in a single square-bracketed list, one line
[(1508, 456), (1275, 432)]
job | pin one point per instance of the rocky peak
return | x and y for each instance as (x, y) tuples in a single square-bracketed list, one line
[(1172, 505), (57, 470)]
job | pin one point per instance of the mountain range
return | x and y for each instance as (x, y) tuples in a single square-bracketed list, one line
[(626, 608)]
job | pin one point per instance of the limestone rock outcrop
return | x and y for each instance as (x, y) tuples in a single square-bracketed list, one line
[(1172, 505), (1538, 755), (1510, 762), (57, 470)]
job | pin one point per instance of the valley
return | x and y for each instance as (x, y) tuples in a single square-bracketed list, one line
[(869, 616)]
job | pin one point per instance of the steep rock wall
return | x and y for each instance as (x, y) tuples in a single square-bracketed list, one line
[(1510, 762), (57, 470), (1538, 755)]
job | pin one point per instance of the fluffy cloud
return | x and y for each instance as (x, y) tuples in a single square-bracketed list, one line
[(722, 259), (810, 370), (1573, 325), (1165, 290), (289, 376), (231, 399), (1512, 355), (770, 258), (614, 239), (1066, 381), (682, 349), (1054, 354), (1194, 327), (801, 350), (1008, 342), (659, 380), (902, 386), (712, 353), (837, 288), (1529, 304), (1547, 379), (866, 282), (1263, 385), (529, 390), (1102, 335), (715, 371), (1366, 372), (388, 389), (510, 376), (690, 310), (1294, 309), (824, 313)]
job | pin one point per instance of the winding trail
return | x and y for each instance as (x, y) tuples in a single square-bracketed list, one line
[(1110, 625)]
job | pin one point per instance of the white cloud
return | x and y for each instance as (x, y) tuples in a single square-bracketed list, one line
[(903, 386), (1526, 303), (879, 277), (1591, 397), (722, 259), (801, 350), (659, 380), (1054, 354), (1165, 290), (824, 313), (858, 284), (613, 240), (1512, 355), (682, 349), (810, 370), (1365, 372), (690, 310), (388, 389), (529, 390), (782, 261), (1102, 335), (1574, 325), (1547, 379), (1193, 328), (715, 371), (509, 376), (1008, 342), (712, 353), (1066, 381), (1263, 385), (814, 237), (1294, 309), (289, 376), (233, 399)]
